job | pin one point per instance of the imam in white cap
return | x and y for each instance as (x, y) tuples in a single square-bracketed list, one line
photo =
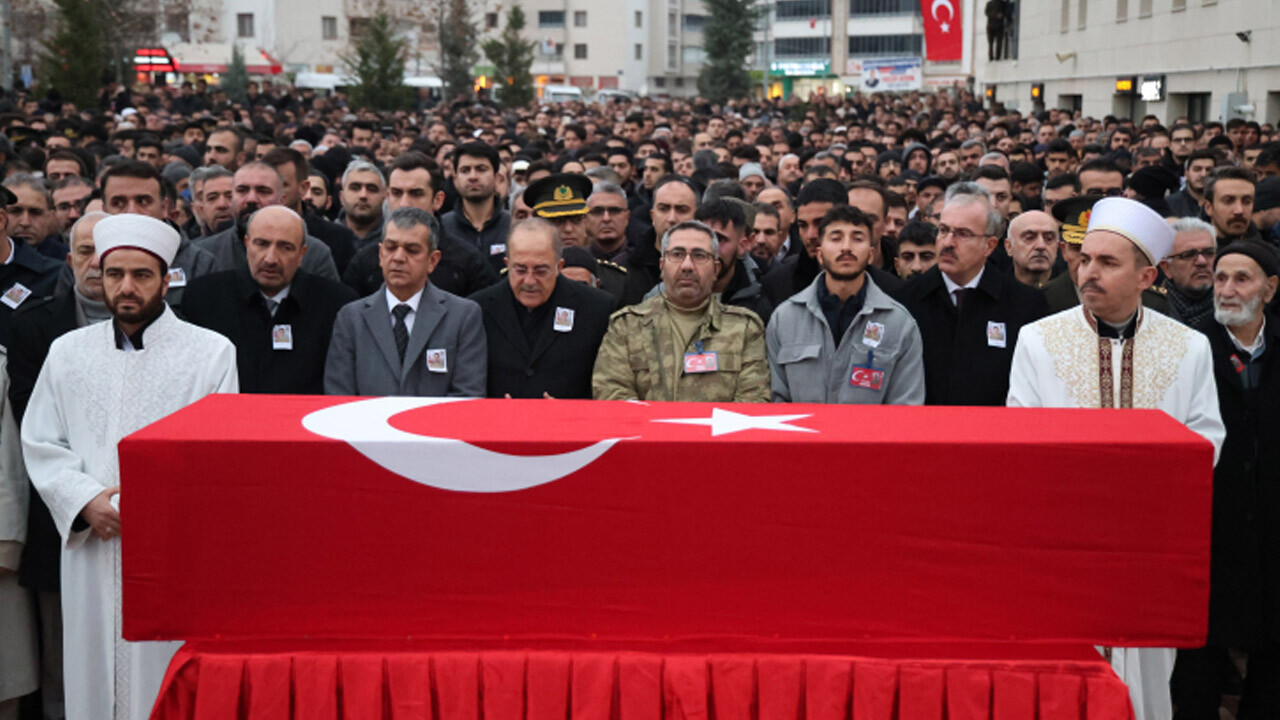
[(1141, 225), (136, 232)]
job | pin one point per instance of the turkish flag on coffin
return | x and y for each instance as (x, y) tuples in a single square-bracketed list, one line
[(943, 30), (258, 516)]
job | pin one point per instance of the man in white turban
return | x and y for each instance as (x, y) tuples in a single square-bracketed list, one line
[(1111, 352), (99, 384)]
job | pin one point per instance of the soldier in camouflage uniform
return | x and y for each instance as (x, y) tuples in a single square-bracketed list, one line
[(684, 344)]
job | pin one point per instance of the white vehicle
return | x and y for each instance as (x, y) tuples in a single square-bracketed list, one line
[(605, 95), (561, 93)]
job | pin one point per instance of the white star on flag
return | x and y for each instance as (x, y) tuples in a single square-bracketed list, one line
[(946, 27), (723, 422)]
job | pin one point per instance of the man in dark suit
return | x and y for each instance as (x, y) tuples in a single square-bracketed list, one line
[(35, 326), (409, 338), (1244, 572), (280, 319), (295, 179), (25, 274), (969, 313), (543, 330)]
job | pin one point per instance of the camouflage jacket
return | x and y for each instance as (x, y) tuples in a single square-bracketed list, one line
[(638, 358)]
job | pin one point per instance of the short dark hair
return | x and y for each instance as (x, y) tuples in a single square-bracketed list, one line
[(135, 169), (414, 160), (1058, 146), (822, 190), (1063, 180), (477, 150), (917, 232), (1228, 172), (667, 165), (1101, 164), (991, 172), (668, 179), (722, 211), (66, 155), (1025, 172), (846, 214), (288, 156)]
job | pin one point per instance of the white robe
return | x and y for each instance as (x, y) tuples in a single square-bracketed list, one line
[(90, 395), (19, 647), (1056, 363)]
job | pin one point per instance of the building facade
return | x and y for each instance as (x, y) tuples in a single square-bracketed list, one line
[(1200, 59)]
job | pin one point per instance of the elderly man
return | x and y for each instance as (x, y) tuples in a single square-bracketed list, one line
[(969, 313), (543, 330), (1188, 271), (684, 344), (99, 384), (1111, 354), (257, 185), (1244, 578), (822, 341), (1032, 244), (409, 337), (279, 317)]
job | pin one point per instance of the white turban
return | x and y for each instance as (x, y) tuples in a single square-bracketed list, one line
[(1141, 225), (136, 232)]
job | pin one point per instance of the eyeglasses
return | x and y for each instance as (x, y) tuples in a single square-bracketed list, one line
[(1108, 192), (960, 233), (677, 256), (1188, 255), (605, 210), (542, 272)]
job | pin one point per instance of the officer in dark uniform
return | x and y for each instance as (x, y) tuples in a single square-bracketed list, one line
[(1072, 215), (561, 199)]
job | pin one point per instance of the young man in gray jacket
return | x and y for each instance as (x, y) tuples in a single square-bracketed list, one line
[(842, 339)]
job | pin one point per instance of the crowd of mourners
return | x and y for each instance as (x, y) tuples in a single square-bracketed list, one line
[(921, 248)]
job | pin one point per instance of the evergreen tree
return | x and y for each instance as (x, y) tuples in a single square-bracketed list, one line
[(727, 41), (457, 48), (235, 81), (512, 56), (75, 57), (377, 64)]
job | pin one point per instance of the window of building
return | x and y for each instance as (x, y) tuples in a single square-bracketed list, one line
[(329, 27), (639, 18), (868, 45), (659, 82), (580, 51), (244, 25), (678, 82), (490, 20), (639, 51), (803, 9), (673, 24), (550, 18), (356, 27), (883, 7), (1179, 5), (176, 22), (1122, 10), (579, 18), (694, 55), (1065, 24), (1198, 107), (671, 56), (1082, 14), (802, 47), (1144, 8), (695, 23)]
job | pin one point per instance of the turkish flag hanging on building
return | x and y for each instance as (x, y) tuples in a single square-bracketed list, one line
[(943, 31)]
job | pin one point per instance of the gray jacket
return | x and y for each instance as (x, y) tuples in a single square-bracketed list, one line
[(807, 366), (228, 252), (362, 357)]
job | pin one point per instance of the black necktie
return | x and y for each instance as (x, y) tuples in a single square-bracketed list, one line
[(961, 295), (401, 330)]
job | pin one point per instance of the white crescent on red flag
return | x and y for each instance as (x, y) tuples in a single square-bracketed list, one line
[(943, 30)]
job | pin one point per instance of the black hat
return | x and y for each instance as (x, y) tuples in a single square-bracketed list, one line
[(1073, 213), (1261, 253), (561, 195), (1153, 181), (575, 256), (1267, 194)]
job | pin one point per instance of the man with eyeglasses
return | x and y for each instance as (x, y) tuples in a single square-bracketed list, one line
[(969, 313), (1182, 142), (1101, 177), (684, 344), (543, 330), (1188, 270)]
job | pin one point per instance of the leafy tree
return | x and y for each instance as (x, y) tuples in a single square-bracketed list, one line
[(236, 79), (512, 56), (727, 41), (75, 57), (458, 36), (377, 64)]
